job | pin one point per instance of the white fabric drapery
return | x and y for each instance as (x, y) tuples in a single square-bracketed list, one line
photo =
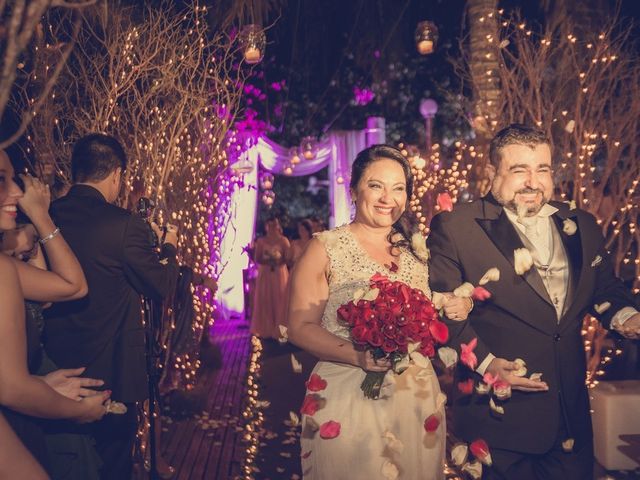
[(336, 151)]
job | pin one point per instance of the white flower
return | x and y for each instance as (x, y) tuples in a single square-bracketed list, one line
[(601, 308), (390, 471), (284, 334), (569, 226), (491, 275), (474, 469), (522, 260), (419, 246), (295, 364), (441, 401), (393, 443), (449, 356), (459, 454), (522, 367), (464, 290), (496, 408)]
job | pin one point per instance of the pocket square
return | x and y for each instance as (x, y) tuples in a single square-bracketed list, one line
[(596, 261)]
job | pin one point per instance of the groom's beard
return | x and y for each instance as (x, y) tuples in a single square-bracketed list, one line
[(521, 209)]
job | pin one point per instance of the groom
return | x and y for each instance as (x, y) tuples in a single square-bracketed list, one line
[(545, 431)]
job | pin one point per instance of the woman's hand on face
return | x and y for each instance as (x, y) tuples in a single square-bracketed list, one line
[(457, 308), (370, 364), (37, 197)]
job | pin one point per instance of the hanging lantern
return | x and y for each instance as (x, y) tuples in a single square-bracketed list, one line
[(339, 178), (308, 148), (253, 41), (268, 198), (294, 157), (266, 181), (426, 37)]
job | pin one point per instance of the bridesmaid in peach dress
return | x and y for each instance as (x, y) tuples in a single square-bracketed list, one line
[(269, 304)]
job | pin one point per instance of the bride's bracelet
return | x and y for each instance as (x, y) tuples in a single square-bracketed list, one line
[(53, 234)]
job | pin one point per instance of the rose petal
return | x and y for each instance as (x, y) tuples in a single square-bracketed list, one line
[(467, 357), (464, 290), (295, 420), (522, 368), (439, 331), (448, 356), (491, 275), (295, 364), (306, 455), (459, 454), (393, 443), (432, 423), (496, 408), (329, 430), (316, 383), (536, 377), (480, 294), (474, 469), (419, 360), (602, 307), (284, 334), (569, 226), (310, 405), (567, 445), (482, 388), (466, 387), (490, 379), (522, 260), (502, 390), (371, 295), (390, 471), (480, 450)]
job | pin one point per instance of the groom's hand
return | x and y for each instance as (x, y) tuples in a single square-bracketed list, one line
[(505, 369)]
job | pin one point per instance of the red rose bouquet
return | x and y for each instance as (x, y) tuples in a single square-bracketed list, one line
[(395, 321)]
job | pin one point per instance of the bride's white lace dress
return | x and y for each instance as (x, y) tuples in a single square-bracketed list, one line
[(365, 447)]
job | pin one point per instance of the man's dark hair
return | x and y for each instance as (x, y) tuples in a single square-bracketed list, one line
[(515, 134), (96, 156)]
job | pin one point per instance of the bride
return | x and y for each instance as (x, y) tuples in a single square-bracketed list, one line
[(345, 434)]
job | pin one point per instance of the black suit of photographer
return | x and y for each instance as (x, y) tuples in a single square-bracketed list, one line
[(104, 331)]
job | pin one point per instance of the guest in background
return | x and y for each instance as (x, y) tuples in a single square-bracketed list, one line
[(269, 305), (305, 232), (60, 394), (104, 331)]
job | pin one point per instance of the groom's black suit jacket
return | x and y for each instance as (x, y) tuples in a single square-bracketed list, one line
[(519, 321), (104, 331)]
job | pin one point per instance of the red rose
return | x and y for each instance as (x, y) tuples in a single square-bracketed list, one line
[(427, 349), (329, 430), (432, 423), (405, 292), (310, 405), (374, 338), (316, 383), (359, 334), (389, 331), (439, 331), (466, 387), (401, 339), (345, 312), (389, 346)]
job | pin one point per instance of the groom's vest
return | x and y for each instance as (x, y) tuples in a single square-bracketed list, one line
[(555, 271)]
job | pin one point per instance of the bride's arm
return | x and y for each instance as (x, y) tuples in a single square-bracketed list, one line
[(307, 301)]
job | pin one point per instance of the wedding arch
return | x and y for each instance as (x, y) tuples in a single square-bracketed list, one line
[(335, 151)]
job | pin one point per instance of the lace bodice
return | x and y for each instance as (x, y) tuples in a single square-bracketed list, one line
[(350, 268)]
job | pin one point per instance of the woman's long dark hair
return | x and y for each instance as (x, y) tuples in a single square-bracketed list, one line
[(406, 225)]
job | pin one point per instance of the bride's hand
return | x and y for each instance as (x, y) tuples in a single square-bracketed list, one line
[(457, 308), (369, 364)]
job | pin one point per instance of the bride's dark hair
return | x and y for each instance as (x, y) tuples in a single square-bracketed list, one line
[(406, 225)]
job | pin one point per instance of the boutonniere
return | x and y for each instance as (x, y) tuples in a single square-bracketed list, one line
[(569, 226)]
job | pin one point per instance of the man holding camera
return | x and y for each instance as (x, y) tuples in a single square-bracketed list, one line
[(104, 331)]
